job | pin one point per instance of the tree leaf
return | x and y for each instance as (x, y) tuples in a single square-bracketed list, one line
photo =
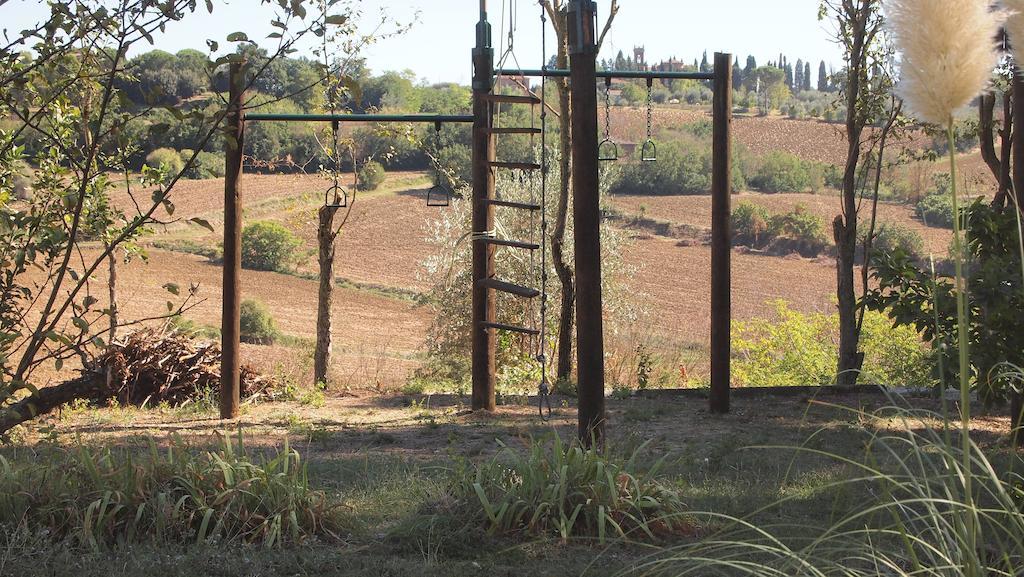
[(202, 222), (238, 37), (80, 323), (336, 19), (172, 288)]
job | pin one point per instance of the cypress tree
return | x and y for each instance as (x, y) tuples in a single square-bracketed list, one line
[(822, 78), (737, 74), (704, 66), (807, 76), (789, 75)]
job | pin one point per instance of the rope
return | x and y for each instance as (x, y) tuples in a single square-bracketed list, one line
[(544, 396)]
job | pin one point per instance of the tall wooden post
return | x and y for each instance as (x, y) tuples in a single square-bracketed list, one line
[(230, 377), (721, 236), (484, 340), (1017, 150), (586, 218)]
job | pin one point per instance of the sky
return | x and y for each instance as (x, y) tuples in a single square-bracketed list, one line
[(438, 45)]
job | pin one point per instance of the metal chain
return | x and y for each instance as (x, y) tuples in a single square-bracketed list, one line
[(337, 158), (608, 109), (650, 106), (544, 391)]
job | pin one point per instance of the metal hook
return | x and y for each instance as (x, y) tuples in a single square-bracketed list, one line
[(544, 400)]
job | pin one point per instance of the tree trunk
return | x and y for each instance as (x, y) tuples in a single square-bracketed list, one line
[(1017, 418), (112, 295), (844, 227), (562, 269), (567, 308), (998, 164), (326, 236), (47, 399)]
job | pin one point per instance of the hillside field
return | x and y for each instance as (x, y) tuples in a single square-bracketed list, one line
[(380, 323)]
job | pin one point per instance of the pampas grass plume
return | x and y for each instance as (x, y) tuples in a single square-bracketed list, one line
[(1015, 29), (948, 53)]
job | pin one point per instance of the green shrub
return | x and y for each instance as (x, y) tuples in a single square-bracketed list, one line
[(700, 129), (796, 348), (833, 176), (781, 172), (571, 491), (749, 223), (206, 165), (99, 498), (167, 159), (798, 231), (268, 246), (371, 175), (936, 210), (890, 236), (257, 325)]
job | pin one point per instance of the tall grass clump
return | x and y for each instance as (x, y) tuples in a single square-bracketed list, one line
[(920, 487), (100, 497), (568, 490), (948, 53)]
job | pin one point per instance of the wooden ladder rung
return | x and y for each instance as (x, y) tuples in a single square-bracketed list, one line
[(511, 99), (507, 287), (515, 165), (512, 130), (512, 243), (511, 204), (510, 328)]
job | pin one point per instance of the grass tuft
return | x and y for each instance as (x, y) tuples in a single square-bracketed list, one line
[(97, 498), (567, 491)]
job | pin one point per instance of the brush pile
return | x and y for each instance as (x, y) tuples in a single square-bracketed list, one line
[(152, 366)]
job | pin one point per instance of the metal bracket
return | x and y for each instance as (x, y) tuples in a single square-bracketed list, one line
[(585, 28)]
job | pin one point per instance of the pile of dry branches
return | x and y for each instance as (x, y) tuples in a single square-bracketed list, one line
[(152, 366)]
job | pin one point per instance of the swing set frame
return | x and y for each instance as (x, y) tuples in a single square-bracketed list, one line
[(582, 17)]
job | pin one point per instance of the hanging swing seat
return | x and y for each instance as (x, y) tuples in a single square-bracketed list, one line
[(511, 243), (509, 328), (512, 204)]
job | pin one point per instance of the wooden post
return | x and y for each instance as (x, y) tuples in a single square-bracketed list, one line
[(721, 236), (1017, 150), (587, 219), (230, 377), (484, 342)]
